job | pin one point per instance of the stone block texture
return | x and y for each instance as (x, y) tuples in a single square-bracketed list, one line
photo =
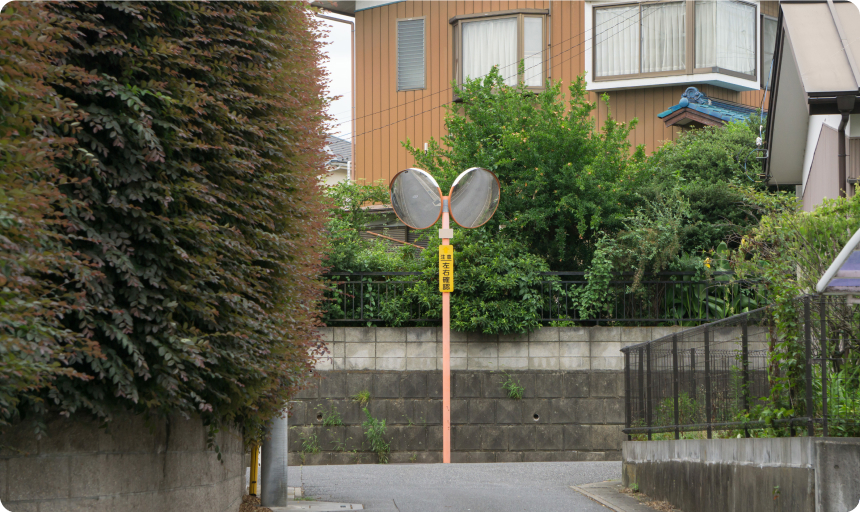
[(563, 416), (420, 349), (130, 466)]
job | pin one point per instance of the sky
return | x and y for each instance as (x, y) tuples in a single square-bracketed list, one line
[(339, 66)]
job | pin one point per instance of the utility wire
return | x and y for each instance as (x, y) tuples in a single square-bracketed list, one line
[(430, 96)]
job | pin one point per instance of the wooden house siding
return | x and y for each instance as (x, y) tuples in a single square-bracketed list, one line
[(386, 117)]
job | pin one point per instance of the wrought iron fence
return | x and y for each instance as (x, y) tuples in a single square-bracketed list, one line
[(673, 297), (716, 377)]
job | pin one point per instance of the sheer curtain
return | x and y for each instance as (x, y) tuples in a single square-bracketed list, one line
[(488, 43), (725, 35), (768, 37), (616, 34), (664, 30), (533, 50)]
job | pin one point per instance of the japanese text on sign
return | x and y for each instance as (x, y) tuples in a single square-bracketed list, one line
[(446, 268)]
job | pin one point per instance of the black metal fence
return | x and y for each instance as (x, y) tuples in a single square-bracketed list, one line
[(674, 297), (718, 377)]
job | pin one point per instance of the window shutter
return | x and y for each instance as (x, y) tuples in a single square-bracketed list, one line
[(410, 54)]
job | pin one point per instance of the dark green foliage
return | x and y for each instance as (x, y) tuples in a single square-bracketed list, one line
[(563, 182), (40, 276), (496, 283), (200, 205)]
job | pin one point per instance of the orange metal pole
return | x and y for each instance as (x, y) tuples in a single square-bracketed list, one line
[(446, 359)]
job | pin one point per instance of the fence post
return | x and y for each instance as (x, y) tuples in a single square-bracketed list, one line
[(823, 343), (648, 391), (641, 381), (708, 381), (362, 297), (676, 383), (693, 393), (745, 362), (627, 391), (807, 332)]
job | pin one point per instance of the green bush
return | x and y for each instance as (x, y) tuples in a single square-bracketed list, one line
[(193, 183), (41, 277), (497, 283), (563, 181)]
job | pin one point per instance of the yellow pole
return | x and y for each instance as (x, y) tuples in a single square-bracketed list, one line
[(255, 460)]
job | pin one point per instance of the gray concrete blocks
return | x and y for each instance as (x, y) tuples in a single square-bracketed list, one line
[(533, 428), (134, 465)]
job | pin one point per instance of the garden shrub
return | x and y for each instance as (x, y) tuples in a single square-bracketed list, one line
[(199, 205), (563, 181), (497, 283), (41, 277)]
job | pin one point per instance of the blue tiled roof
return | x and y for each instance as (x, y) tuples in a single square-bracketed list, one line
[(695, 100)]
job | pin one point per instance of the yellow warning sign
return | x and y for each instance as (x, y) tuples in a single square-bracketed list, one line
[(446, 268)]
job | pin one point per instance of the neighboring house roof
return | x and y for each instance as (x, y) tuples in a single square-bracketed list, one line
[(696, 108), (339, 149), (815, 73)]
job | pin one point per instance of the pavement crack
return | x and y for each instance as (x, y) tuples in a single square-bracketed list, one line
[(395, 505)]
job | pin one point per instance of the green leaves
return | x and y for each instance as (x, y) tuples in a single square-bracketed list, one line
[(193, 191)]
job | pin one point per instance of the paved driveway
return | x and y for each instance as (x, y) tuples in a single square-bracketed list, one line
[(458, 486)]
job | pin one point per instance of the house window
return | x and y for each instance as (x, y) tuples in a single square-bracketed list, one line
[(410, 54), (768, 43), (674, 38), (501, 39), (725, 36)]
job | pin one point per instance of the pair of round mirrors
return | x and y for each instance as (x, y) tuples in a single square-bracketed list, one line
[(417, 198)]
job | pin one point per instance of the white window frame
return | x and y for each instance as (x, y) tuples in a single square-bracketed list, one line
[(712, 76), (765, 67), (457, 23)]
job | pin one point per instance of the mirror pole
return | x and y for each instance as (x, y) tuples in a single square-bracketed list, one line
[(446, 356)]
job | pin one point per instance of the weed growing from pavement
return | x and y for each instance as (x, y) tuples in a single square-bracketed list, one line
[(374, 429), (512, 387), (413, 458), (331, 417), (362, 398)]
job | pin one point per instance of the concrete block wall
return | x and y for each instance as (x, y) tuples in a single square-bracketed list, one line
[(420, 349), (132, 466), (752, 474), (572, 409), (563, 416)]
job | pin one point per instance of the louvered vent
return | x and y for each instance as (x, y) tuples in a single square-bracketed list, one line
[(410, 54)]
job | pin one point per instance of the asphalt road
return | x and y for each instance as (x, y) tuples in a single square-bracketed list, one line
[(457, 487)]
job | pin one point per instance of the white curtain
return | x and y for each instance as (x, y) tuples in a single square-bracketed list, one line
[(725, 35), (616, 34), (488, 43), (664, 30), (768, 35), (533, 50)]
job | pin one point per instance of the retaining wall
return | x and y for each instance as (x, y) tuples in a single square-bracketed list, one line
[(753, 474), (572, 409), (131, 466)]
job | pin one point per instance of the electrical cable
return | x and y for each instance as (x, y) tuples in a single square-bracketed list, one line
[(430, 96)]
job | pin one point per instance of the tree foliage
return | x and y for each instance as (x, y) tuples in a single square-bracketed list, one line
[(562, 180), (193, 191), (40, 276)]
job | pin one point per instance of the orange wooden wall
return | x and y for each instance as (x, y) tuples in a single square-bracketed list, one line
[(385, 117)]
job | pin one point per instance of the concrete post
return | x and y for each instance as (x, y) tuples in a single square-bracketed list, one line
[(273, 465)]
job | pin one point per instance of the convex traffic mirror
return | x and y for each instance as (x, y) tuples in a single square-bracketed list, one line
[(474, 197), (417, 198)]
